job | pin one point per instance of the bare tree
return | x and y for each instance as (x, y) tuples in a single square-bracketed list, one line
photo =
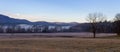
[(117, 24), (94, 19)]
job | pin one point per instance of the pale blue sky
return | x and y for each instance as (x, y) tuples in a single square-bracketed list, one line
[(58, 10)]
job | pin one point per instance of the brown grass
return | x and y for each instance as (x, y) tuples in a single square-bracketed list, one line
[(59, 45)]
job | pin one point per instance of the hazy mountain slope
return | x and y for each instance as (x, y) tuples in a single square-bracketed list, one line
[(8, 20)]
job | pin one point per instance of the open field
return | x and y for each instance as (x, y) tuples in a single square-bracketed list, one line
[(31, 35), (59, 44)]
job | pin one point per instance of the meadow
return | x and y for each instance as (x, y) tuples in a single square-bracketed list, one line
[(37, 43)]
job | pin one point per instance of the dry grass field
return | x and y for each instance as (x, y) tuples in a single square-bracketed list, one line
[(60, 44)]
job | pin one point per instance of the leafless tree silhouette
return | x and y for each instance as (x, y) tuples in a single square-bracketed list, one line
[(94, 19)]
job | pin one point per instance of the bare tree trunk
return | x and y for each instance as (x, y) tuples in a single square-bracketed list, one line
[(94, 29), (94, 34)]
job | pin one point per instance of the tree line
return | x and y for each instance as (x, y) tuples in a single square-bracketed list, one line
[(32, 28)]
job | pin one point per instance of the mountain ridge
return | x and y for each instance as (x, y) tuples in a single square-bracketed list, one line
[(4, 19)]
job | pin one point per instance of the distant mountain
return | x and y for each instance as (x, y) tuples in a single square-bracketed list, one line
[(44, 23), (8, 20), (55, 23), (65, 24)]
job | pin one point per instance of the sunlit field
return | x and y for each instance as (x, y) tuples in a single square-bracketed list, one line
[(58, 44)]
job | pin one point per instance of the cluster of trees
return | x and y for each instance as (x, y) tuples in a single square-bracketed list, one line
[(32, 29), (18, 29), (96, 19)]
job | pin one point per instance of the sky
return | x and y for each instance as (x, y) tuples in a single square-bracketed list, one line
[(58, 10)]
